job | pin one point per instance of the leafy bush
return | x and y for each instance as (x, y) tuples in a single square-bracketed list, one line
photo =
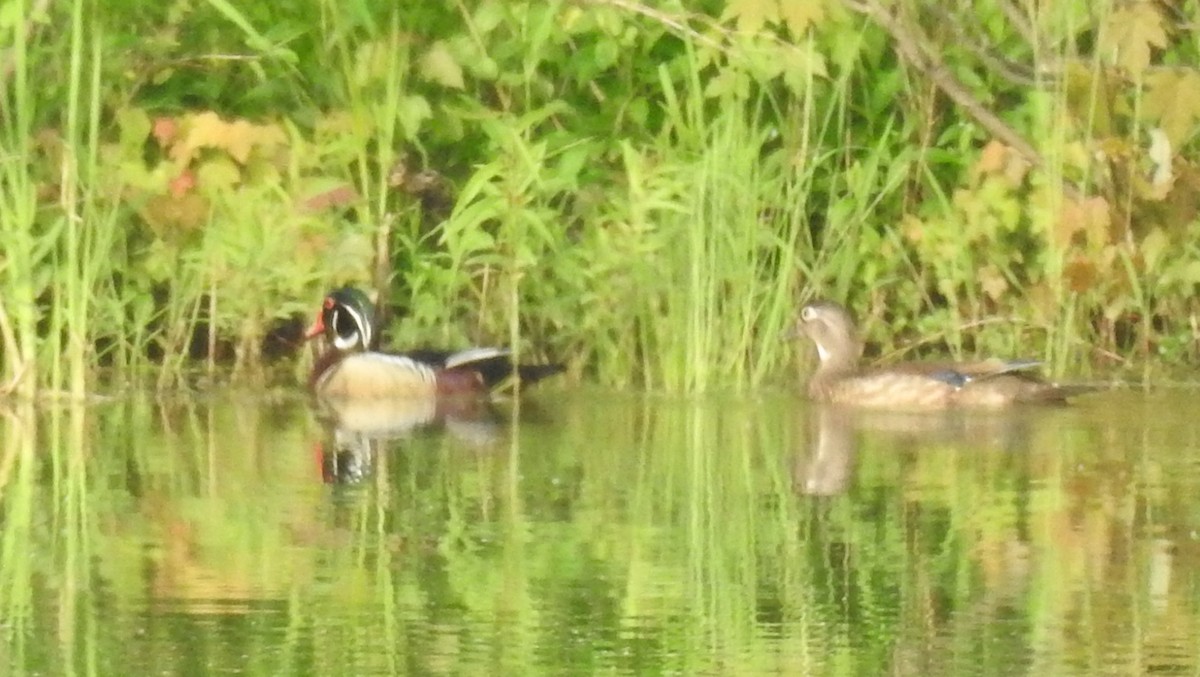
[(647, 189)]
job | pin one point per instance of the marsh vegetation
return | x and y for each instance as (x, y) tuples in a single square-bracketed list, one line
[(646, 190)]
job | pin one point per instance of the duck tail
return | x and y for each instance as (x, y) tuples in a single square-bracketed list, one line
[(1010, 366), (532, 373), (495, 367)]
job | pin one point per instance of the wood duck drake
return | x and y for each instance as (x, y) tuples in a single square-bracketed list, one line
[(351, 367), (840, 379)]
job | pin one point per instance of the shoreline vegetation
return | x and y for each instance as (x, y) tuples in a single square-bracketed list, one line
[(646, 191)]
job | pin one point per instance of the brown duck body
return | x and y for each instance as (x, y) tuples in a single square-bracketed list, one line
[(913, 386), (991, 384)]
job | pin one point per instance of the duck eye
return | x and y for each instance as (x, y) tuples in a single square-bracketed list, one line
[(808, 314), (340, 327)]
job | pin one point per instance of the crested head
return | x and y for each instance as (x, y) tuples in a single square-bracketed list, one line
[(832, 330), (346, 319)]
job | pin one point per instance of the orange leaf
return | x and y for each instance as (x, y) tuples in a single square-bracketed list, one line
[(1080, 275), (183, 184), (337, 196), (1089, 217), (991, 160), (164, 130)]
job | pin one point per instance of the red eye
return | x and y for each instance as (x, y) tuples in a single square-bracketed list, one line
[(329, 302)]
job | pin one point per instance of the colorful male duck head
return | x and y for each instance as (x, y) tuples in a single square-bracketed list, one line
[(346, 319)]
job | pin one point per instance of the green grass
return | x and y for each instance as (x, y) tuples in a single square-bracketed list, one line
[(642, 192)]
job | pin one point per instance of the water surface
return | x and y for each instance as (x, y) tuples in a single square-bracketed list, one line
[(596, 532)]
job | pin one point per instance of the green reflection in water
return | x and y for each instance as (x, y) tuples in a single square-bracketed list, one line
[(599, 532)]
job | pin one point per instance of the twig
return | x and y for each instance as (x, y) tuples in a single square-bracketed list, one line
[(941, 336), (1019, 22), (908, 43), (675, 23), (1016, 73)]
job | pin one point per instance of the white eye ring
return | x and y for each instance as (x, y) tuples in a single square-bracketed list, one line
[(808, 314), (357, 335)]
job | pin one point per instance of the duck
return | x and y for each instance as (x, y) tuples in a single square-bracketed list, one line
[(352, 368), (841, 379)]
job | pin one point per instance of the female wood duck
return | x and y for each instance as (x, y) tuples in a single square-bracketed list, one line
[(352, 368), (990, 383)]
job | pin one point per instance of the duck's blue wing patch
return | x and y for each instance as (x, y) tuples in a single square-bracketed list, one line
[(950, 376), (960, 379)]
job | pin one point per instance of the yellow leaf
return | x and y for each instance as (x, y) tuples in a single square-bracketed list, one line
[(199, 131), (799, 15), (992, 281), (727, 82), (238, 138), (170, 218), (1172, 100), (800, 64), (1089, 97), (1153, 246), (412, 111), (438, 65), (762, 59), (751, 15), (135, 126), (1132, 31), (374, 62), (912, 229), (1191, 272), (217, 174)]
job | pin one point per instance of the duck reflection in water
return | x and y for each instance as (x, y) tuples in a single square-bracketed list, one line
[(833, 435), (826, 467), (358, 430)]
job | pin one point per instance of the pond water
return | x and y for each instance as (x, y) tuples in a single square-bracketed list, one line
[(584, 532)]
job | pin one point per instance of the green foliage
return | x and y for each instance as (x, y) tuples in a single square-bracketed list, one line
[(645, 190)]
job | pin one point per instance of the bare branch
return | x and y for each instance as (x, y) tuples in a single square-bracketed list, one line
[(1020, 22), (910, 43), (1016, 73), (676, 23)]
